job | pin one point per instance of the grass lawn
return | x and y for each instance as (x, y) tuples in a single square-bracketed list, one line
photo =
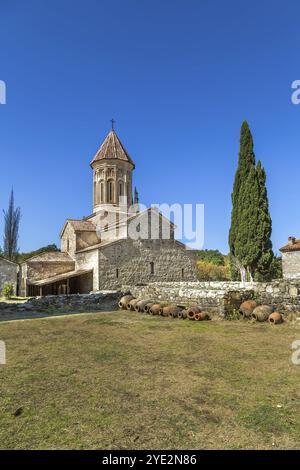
[(14, 299), (126, 380)]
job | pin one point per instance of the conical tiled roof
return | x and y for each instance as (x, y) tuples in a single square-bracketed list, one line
[(112, 148)]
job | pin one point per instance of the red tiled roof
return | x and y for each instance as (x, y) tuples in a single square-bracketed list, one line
[(295, 246)]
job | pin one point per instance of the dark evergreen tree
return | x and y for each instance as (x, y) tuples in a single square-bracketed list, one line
[(251, 226), (264, 229), (246, 242), (246, 161), (11, 229)]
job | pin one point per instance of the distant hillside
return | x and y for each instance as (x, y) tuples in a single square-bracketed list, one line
[(21, 257)]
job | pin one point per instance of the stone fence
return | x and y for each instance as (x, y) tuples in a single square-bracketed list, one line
[(221, 298), (105, 301), (217, 298)]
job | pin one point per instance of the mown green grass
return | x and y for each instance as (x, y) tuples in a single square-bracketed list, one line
[(125, 380), (14, 299)]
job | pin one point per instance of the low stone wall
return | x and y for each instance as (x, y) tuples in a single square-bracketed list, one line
[(217, 298), (284, 294), (51, 304), (221, 298)]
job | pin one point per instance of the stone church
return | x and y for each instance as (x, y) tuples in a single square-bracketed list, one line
[(96, 252)]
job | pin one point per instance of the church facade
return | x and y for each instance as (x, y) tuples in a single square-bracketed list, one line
[(98, 252)]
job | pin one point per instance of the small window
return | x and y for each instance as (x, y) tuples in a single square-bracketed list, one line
[(151, 267), (182, 273), (110, 190), (117, 273), (101, 191), (121, 189), (68, 245)]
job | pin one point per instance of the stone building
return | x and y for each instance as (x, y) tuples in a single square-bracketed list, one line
[(8, 273), (291, 259), (99, 251)]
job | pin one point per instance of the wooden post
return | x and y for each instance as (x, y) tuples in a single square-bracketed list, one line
[(41, 291)]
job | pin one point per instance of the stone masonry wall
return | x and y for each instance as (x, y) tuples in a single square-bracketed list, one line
[(58, 304), (217, 298), (68, 240), (129, 262), (221, 298), (291, 265), (89, 260), (8, 274), (42, 270)]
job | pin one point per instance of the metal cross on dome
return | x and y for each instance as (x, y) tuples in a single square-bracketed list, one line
[(112, 124)]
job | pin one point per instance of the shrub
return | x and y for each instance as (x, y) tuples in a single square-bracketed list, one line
[(211, 256), (233, 315), (8, 290), (211, 272)]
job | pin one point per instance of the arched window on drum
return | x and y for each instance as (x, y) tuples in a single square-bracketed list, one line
[(110, 191), (101, 191), (121, 189)]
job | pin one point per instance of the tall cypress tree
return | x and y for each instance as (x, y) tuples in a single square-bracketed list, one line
[(264, 229), (11, 228), (250, 231), (246, 162), (246, 244)]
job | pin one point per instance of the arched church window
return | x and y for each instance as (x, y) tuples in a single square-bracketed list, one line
[(110, 191), (121, 189), (101, 191)]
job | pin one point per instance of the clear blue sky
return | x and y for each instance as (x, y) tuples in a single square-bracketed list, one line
[(179, 77)]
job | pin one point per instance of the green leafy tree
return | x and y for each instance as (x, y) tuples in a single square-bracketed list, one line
[(8, 290), (207, 271), (211, 256), (212, 266), (24, 256)]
